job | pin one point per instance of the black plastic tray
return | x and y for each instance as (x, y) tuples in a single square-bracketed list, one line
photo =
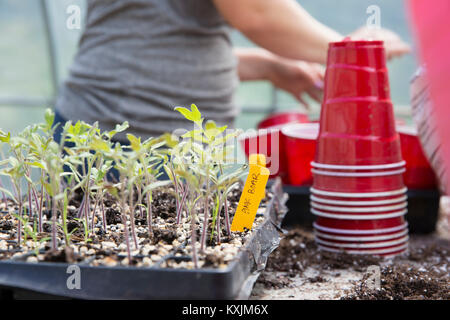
[(35, 279), (423, 209)]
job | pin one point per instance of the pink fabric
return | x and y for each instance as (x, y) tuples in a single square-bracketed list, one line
[(431, 25)]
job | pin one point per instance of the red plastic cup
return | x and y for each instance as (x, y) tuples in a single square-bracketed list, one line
[(365, 117), (360, 53), (343, 149), (357, 182), (283, 118), (268, 142), (358, 133), (392, 207), (362, 239), (360, 225), (356, 170), (360, 196), (361, 244), (353, 80), (300, 147), (360, 232), (358, 203), (373, 236), (419, 174), (364, 215), (351, 66)]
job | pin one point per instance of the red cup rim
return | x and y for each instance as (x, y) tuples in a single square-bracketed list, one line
[(312, 134), (368, 216), (368, 210), (375, 245), (358, 167), (394, 250), (372, 174), (360, 231), (357, 238), (365, 203), (263, 123), (348, 43), (358, 194), (407, 130)]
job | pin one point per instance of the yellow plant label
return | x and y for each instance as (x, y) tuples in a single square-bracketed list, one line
[(253, 193)]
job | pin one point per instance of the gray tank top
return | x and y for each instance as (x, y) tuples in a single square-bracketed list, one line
[(138, 59)]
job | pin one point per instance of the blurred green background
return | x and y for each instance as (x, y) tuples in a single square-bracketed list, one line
[(30, 70)]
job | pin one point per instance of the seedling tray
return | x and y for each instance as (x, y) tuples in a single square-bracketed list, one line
[(235, 281), (423, 208)]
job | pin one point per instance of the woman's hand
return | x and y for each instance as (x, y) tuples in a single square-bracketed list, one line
[(394, 45), (299, 78)]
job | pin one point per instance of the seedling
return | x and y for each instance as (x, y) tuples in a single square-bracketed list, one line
[(32, 233), (198, 165), (207, 151)]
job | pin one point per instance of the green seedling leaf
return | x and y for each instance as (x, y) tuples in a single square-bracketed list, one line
[(155, 185), (36, 164), (19, 141), (49, 117), (8, 193), (193, 115), (112, 190), (5, 137), (98, 144), (223, 140), (135, 142), (211, 129), (119, 128), (185, 112)]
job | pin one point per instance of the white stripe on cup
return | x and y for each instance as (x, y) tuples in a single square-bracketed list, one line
[(369, 238), (358, 195), (363, 245), (366, 209), (358, 203), (359, 216), (357, 174), (361, 167)]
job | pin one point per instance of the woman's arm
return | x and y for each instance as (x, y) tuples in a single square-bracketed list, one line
[(280, 26), (286, 29)]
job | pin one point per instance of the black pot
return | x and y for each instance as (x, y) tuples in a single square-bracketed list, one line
[(31, 280)]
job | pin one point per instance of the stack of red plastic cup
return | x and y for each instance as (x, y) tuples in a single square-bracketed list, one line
[(358, 192)]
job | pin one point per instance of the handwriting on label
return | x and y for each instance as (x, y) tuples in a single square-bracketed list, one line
[(252, 194)]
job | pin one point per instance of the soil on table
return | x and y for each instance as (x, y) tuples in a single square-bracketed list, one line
[(299, 270), (167, 246)]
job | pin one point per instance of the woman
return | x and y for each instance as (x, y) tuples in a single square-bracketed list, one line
[(137, 59)]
